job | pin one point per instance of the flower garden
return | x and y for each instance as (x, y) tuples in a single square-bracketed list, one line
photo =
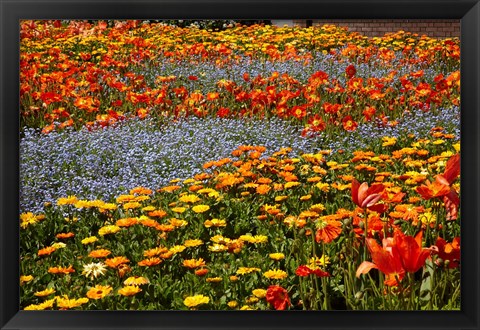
[(240, 168)]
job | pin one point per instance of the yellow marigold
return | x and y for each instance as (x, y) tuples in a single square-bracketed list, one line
[(280, 198), (59, 245), (317, 208), (136, 280), (316, 262), (259, 293), (27, 219), (247, 238), (42, 306), (108, 206), (25, 278), (308, 214), (89, 240), (260, 239), (291, 184), (179, 209), (217, 248), (251, 300), (232, 304), (194, 301), (45, 292), (131, 205), (177, 249), (66, 303), (99, 291), (155, 251), (246, 308), (214, 279), (276, 274), (80, 204), (70, 200), (192, 242), (177, 222), (388, 141), (215, 223), (125, 198), (305, 197), (150, 262), (129, 290), (193, 263), (189, 198), (110, 229), (200, 208), (220, 239), (323, 186), (247, 270), (276, 256)]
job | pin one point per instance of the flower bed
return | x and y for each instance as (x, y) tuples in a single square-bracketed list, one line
[(167, 168)]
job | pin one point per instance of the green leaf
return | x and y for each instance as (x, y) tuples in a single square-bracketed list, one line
[(426, 286)]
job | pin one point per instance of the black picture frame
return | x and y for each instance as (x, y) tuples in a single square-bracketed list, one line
[(12, 11)]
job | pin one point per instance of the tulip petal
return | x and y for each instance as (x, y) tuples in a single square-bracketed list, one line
[(452, 169), (371, 200), (365, 268), (362, 193)]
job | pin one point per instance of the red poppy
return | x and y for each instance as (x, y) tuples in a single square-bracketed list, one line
[(349, 124), (448, 251), (298, 111), (316, 123), (350, 71), (278, 297), (304, 270), (365, 196), (223, 112), (369, 113)]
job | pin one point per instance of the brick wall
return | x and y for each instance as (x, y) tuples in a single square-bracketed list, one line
[(438, 28)]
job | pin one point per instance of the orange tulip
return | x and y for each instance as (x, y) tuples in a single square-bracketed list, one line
[(397, 255)]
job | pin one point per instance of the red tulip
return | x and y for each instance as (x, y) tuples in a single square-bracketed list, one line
[(364, 196)]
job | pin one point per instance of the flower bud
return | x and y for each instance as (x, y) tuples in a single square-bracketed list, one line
[(359, 295)]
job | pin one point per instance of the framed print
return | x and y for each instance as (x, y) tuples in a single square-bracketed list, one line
[(214, 164)]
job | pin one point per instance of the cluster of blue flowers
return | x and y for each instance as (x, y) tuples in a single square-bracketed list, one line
[(104, 163)]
